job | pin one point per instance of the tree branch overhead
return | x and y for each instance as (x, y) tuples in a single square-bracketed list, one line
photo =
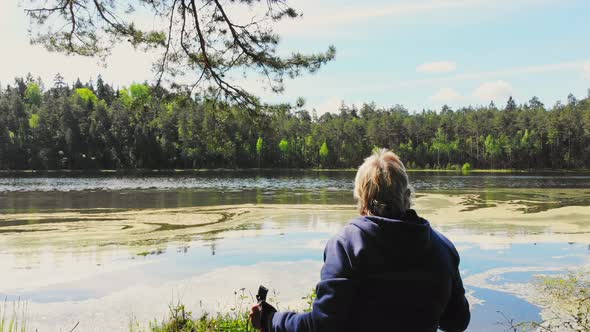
[(198, 39)]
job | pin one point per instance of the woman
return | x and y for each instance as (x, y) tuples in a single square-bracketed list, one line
[(387, 270)]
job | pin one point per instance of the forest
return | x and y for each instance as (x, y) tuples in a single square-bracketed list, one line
[(93, 125)]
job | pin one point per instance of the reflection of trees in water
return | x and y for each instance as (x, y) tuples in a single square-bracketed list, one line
[(527, 200)]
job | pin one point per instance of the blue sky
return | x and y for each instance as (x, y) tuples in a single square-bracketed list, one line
[(421, 53)]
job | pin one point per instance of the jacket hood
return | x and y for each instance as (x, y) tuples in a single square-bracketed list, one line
[(409, 235)]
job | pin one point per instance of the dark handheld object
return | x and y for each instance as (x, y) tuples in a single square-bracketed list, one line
[(266, 310), (262, 292)]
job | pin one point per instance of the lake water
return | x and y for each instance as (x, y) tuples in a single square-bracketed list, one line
[(106, 250)]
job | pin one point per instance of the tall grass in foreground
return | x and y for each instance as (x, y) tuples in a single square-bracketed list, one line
[(13, 316), (566, 299), (182, 321), (236, 320)]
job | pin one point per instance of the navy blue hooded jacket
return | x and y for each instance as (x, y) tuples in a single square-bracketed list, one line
[(384, 274)]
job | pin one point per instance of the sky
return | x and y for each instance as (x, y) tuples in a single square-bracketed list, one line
[(421, 54)]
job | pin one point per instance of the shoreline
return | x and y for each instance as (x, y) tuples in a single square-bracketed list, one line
[(239, 170)]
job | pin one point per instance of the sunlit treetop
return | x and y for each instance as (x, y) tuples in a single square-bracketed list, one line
[(210, 44), (87, 95)]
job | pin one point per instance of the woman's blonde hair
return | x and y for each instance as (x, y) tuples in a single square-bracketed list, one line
[(381, 186)]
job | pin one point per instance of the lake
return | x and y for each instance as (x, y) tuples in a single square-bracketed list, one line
[(107, 250)]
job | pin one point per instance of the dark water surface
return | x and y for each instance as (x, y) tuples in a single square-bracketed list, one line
[(33, 192)]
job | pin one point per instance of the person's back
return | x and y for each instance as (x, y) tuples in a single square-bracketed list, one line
[(387, 270), (408, 275)]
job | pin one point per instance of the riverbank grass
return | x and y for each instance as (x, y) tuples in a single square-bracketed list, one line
[(568, 299), (235, 320), (565, 300), (181, 320), (13, 317)]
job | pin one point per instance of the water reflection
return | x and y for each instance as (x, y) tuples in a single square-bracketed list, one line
[(78, 246), (40, 194), (228, 181)]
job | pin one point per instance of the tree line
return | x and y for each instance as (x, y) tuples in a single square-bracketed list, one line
[(93, 125)]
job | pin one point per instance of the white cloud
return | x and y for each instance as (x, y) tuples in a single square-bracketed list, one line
[(331, 105), (497, 91), (575, 66), (364, 13), (586, 69), (437, 67), (332, 15), (360, 12), (446, 95)]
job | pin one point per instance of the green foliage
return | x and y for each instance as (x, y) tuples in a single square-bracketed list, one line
[(309, 299), (569, 296), (34, 121), (259, 146), (182, 321), (285, 150), (134, 128), (87, 95), (259, 149), (405, 149), (136, 93), (566, 298), (219, 44), (466, 168), (493, 148), (13, 317), (33, 94), (442, 144), (324, 151), (125, 97), (284, 147), (236, 320), (140, 91)]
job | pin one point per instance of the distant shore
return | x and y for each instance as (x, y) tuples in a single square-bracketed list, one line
[(205, 170)]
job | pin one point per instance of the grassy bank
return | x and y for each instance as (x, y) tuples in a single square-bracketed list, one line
[(566, 299), (565, 303), (13, 317), (235, 320), (181, 320)]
